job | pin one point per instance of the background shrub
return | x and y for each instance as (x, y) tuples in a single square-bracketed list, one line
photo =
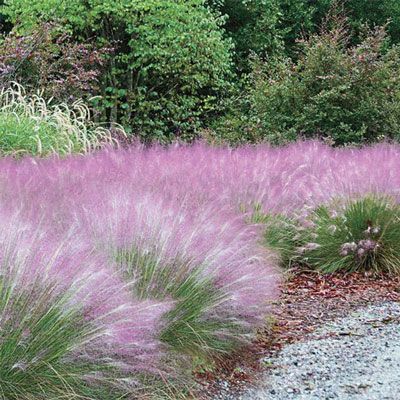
[(253, 26), (265, 27), (358, 12), (374, 13), (344, 94), (50, 61)]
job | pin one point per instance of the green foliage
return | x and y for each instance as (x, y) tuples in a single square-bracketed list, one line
[(297, 20), (233, 125), (364, 236), (374, 13), (347, 236), (264, 27), (253, 27), (344, 94), (316, 91), (191, 328), (359, 13), (39, 341), (30, 125), (170, 65), (260, 25)]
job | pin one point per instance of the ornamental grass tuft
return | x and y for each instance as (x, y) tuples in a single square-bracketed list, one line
[(30, 125), (346, 235), (360, 235)]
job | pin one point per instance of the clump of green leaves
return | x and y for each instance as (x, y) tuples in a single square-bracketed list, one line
[(374, 13), (253, 27)]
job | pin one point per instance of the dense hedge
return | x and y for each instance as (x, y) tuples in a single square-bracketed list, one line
[(344, 93)]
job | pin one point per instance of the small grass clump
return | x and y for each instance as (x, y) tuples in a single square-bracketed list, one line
[(362, 235), (349, 236), (29, 125)]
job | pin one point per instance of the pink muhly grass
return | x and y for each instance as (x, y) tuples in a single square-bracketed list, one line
[(36, 263), (281, 179), (183, 210), (177, 243)]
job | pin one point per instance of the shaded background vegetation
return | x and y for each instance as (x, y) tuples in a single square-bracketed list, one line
[(225, 70)]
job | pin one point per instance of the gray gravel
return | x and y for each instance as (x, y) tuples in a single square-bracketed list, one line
[(354, 358)]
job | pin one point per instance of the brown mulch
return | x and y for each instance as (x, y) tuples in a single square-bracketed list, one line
[(308, 299)]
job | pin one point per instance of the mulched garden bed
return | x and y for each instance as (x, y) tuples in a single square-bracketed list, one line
[(308, 299)]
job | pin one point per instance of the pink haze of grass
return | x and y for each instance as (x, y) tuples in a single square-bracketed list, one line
[(187, 202)]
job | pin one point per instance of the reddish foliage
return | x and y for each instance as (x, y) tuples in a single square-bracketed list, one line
[(49, 60)]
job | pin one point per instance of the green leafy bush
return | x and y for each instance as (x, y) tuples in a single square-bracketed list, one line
[(344, 94), (373, 13), (233, 125), (359, 13), (253, 27), (265, 27), (30, 125), (170, 65)]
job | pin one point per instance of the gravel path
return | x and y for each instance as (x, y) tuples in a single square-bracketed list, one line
[(355, 358)]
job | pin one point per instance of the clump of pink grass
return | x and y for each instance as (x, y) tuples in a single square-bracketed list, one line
[(46, 283), (182, 206)]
